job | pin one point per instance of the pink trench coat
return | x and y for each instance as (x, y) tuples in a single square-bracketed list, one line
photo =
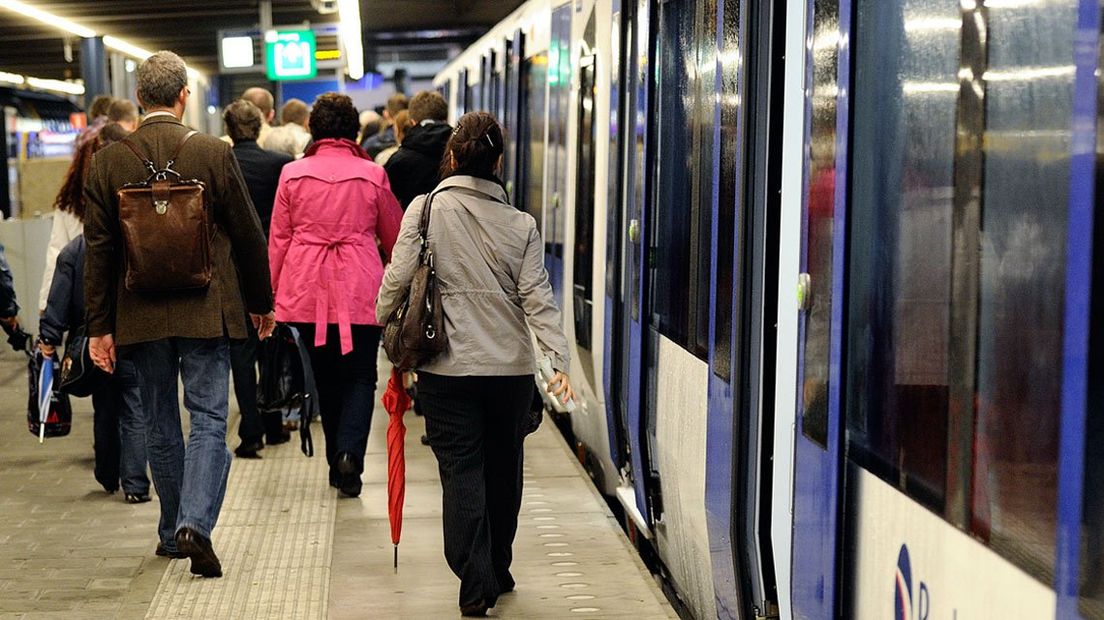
[(331, 207)]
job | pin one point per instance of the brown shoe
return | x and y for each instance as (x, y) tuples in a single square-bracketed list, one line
[(198, 547)]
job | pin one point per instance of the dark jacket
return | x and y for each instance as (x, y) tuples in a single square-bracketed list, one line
[(8, 307), (65, 306), (415, 168), (261, 170), (236, 237), (380, 142)]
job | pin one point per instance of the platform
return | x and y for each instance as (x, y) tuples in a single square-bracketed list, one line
[(290, 548)]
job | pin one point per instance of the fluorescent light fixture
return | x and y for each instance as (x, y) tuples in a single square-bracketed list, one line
[(351, 37), (1025, 74), (127, 48), (237, 52), (47, 18), (11, 78), (71, 88), (74, 28)]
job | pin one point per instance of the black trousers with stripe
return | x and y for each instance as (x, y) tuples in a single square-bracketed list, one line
[(473, 428)]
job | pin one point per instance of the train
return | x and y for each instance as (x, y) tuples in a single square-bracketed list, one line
[(827, 270)]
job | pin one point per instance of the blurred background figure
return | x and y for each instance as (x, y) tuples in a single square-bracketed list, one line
[(261, 170), (395, 104), (371, 123), (292, 136), (122, 117), (415, 168), (402, 124)]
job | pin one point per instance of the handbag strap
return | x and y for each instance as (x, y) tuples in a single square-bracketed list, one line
[(423, 224), (148, 163)]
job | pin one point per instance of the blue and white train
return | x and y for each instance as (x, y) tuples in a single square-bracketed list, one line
[(827, 266)]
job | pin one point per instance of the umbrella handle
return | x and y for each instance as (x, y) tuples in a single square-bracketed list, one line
[(396, 559)]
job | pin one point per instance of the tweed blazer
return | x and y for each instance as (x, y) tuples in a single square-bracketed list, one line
[(238, 248)]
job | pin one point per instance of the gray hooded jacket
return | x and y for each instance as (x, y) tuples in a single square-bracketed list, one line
[(494, 288)]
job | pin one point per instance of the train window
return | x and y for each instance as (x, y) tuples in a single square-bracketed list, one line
[(957, 258), (1022, 279), (584, 205), (820, 207), (731, 185), (535, 79), (902, 181), (681, 215)]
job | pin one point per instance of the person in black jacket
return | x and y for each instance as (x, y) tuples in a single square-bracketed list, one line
[(261, 169), (414, 169), (9, 309), (118, 427)]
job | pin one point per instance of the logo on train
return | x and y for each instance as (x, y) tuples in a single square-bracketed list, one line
[(907, 603)]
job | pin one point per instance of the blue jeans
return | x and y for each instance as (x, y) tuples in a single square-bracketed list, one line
[(191, 483), (120, 432)]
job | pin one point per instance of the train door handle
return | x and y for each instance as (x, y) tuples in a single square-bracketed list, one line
[(804, 292)]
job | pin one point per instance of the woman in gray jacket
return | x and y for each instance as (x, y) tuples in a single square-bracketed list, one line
[(476, 396)]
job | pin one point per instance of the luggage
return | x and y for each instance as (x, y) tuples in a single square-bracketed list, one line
[(286, 381), (166, 233), (53, 406), (415, 331)]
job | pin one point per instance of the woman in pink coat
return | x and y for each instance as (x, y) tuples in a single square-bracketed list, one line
[(333, 214)]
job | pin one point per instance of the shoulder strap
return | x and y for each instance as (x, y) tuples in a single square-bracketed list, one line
[(147, 162)]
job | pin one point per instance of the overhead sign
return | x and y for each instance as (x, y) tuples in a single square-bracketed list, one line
[(237, 52), (289, 55)]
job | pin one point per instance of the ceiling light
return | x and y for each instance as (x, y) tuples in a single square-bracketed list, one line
[(127, 48), (71, 88), (48, 18), (11, 78), (351, 37)]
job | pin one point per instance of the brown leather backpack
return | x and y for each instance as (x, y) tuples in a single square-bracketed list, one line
[(166, 232), (415, 331)]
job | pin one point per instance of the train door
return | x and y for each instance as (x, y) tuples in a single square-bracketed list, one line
[(817, 445), (559, 87), (627, 305)]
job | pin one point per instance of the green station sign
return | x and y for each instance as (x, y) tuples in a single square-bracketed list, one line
[(289, 55)]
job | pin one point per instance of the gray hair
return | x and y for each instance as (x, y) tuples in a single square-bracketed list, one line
[(160, 78)]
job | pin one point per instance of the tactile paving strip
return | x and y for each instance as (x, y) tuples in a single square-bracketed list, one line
[(274, 539)]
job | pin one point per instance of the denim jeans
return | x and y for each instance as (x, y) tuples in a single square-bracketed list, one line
[(191, 482), (120, 432)]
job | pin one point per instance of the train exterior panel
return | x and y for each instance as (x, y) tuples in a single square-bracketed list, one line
[(909, 564)]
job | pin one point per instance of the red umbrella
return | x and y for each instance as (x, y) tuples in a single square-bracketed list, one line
[(396, 401)]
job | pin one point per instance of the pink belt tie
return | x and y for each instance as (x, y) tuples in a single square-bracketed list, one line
[(334, 292)]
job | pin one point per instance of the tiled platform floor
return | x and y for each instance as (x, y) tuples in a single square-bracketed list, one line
[(290, 547)]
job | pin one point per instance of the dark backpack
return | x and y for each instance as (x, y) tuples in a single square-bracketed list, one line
[(286, 380)]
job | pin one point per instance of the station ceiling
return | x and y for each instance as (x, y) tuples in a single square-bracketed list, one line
[(190, 27)]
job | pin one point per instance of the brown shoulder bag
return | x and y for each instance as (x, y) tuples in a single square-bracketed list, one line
[(415, 331), (165, 228)]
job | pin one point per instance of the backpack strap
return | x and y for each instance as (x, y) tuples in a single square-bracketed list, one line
[(148, 163)]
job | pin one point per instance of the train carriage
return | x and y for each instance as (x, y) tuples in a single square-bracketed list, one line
[(827, 267)]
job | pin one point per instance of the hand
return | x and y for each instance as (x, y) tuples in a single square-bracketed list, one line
[(561, 388), (11, 321), (102, 351), (265, 324), (47, 349)]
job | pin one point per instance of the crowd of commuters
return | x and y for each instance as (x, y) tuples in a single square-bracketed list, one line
[(306, 228)]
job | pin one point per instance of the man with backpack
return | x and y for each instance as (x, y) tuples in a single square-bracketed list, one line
[(169, 218)]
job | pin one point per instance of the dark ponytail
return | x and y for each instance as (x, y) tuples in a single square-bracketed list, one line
[(474, 148)]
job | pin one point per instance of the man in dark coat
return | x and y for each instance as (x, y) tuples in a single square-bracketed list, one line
[(9, 309), (261, 169), (174, 336), (414, 169)]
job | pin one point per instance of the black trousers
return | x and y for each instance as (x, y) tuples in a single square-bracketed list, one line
[(472, 424), (243, 368), (346, 389)]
